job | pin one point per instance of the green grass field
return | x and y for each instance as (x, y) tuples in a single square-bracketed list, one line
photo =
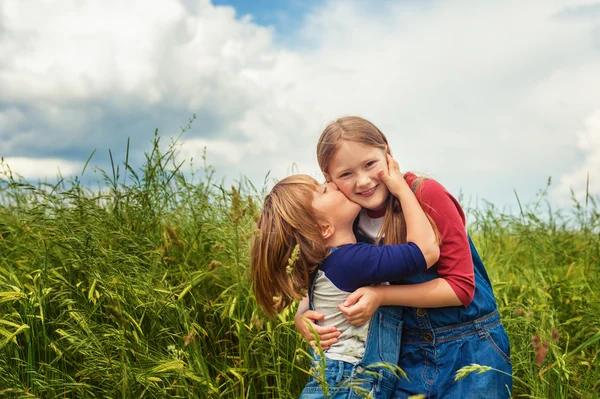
[(140, 289)]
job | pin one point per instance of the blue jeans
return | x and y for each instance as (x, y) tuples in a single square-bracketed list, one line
[(373, 375), (431, 358)]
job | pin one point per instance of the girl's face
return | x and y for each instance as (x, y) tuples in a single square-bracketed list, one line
[(354, 169), (334, 206)]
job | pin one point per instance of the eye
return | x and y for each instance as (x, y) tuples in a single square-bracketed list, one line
[(325, 189), (344, 175), (371, 163)]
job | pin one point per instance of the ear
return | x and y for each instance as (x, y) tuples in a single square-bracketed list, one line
[(327, 230), (327, 177)]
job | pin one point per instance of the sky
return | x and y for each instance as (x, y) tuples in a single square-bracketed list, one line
[(488, 97)]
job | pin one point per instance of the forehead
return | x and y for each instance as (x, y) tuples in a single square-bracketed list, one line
[(350, 154)]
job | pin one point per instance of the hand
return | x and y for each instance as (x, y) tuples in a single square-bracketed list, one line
[(327, 335), (360, 305), (393, 176)]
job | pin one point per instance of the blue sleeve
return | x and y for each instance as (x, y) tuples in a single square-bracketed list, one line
[(356, 265)]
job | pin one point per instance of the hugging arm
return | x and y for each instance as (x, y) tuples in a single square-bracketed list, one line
[(359, 265), (362, 303), (456, 285)]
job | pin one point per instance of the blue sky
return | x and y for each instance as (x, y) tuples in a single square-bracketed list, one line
[(284, 16), (487, 97)]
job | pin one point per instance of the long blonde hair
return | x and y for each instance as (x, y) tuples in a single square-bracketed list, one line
[(287, 220), (360, 130)]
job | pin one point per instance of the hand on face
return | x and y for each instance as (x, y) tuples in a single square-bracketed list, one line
[(392, 177)]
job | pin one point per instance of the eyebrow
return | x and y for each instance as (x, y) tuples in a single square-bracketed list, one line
[(360, 164), (340, 172)]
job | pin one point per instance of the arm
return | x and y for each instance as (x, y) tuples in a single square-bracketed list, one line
[(418, 227), (362, 303), (431, 294), (456, 285), (357, 265), (455, 265)]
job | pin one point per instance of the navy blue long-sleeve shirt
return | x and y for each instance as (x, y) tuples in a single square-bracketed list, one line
[(352, 266)]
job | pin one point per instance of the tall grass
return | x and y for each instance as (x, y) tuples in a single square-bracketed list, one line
[(545, 267), (140, 290)]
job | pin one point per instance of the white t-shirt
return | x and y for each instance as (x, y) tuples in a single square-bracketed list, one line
[(368, 225)]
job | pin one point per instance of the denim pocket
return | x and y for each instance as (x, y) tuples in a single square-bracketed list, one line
[(498, 340), (390, 337), (333, 377), (313, 390)]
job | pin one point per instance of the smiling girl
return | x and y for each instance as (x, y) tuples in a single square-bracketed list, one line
[(451, 319)]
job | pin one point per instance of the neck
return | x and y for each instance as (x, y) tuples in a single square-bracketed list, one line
[(376, 214), (341, 237)]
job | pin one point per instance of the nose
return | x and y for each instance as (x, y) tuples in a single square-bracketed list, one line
[(362, 180), (332, 186)]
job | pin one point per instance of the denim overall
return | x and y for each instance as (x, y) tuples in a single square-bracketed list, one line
[(372, 376), (437, 342)]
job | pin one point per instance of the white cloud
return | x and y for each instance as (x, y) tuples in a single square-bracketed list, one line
[(45, 168), (221, 152), (59, 57), (481, 95), (584, 178), (486, 96)]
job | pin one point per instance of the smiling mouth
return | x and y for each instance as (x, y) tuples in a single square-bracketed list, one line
[(368, 193)]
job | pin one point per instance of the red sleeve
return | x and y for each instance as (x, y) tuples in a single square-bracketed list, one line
[(455, 264)]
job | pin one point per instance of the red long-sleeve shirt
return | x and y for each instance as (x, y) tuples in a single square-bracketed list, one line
[(455, 264)]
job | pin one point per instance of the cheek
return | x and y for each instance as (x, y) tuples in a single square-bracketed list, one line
[(383, 164), (384, 190), (345, 187), (374, 174)]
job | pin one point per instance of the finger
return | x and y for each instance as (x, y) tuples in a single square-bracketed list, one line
[(358, 321), (312, 315), (348, 311), (330, 336), (384, 176), (392, 163), (355, 316), (325, 330), (324, 345), (308, 328), (353, 298), (308, 323), (328, 342)]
